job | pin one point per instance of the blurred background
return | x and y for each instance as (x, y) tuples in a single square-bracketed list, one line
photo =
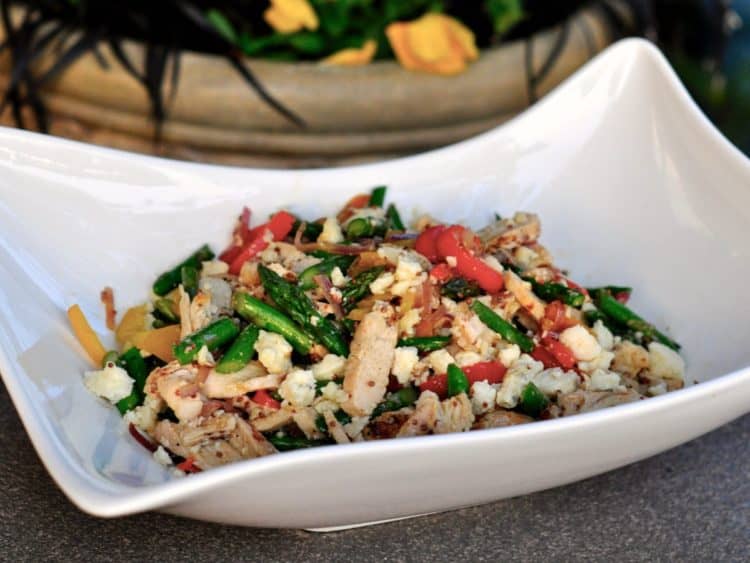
[(293, 83)]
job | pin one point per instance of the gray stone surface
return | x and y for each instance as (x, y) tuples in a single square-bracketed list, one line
[(689, 504)]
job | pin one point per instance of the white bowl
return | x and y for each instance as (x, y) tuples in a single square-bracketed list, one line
[(633, 185)]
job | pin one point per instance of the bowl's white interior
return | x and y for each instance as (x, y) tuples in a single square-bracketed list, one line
[(632, 187)]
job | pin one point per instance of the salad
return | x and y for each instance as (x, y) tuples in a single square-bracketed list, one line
[(354, 327)]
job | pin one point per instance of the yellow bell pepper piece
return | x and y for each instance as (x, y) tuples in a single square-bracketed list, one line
[(133, 321), (290, 16), (86, 336), (158, 341), (353, 56)]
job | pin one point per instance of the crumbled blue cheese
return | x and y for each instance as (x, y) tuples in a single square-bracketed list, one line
[(467, 358), (330, 367), (162, 457), (603, 335), (382, 283), (602, 361), (331, 232), (439, 360), (409, 321), (298, 388), (338, 279), (483, 397), (405, 358), (520, 373), (584, 346), (214, 268), (604, 380), (665, 362), (145, 415), (112, 383), (508, 353), (274, 352), (554, 380)]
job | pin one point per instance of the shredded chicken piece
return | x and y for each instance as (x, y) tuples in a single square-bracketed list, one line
[(586, 401), (335, 429), (186, 325), (305, 418), (521, 290), (630, 358), (500, 418), (425, 417), (455, 415), (213, 441), (522, 229), (370, 360), (387, 425), (227, 385), (177, 386), (268, 420)]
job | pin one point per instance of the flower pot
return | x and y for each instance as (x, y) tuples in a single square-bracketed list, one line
[(351, 113)]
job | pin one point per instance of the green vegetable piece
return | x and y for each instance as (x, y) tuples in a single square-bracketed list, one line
[(287, 443), (613, 289), (394, 218), (404, 397), (240, 352), (360, 227), (359, 288), (215, 336), (377, 196), (502, 327), (533, 401), (171, 279), (459, 289), (457, 381), (306, 279), (111, 356), (160, 323), (268, 318), (341, 416), (551, 291), (311, 232), (222, 25), (425, 343), (622, 315), (133, 363), (163, 308), (298, 306), (189, 280)]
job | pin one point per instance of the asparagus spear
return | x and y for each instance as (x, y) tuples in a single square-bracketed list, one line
[(425, 343), (216, 335), (133, 363), (622, 315), (394, 219), (457, 381), (459, 289), (271, 319), (164, 309), (551, 291), (306, 279), (502, 327), (171, 279), (312, 230), (359, 287), (189, 280), (240, 352), (377, 196), (299, 307), (286, 443), (533, 401)]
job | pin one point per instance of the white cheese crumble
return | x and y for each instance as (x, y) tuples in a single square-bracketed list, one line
[(439, 360), (338, 279), (214, 268), (508, 354), (405, 358), (603, 335), (331, 232), (483, 396), (298, 388), (467, 358), (493, 263), (520, 373), (604, 380), (409, 321), (330, 367), (664, 362), (658, 389), (112, 383), (144, 416), (382, 283), (274, 352), (583, 345), (162, 457), (451, 261), (602, 361), (554, 380)]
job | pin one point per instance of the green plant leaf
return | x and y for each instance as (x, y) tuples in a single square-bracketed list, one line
[(222, 24), (504, 14)]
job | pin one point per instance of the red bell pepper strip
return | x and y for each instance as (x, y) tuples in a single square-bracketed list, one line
[(491, 372), (438, 384), (279, 227), (188, 466), (442, 272), (541, 354), (560, 351), (240, 236), (450, 243), (555, 317), (425, 243), (359, 201), (263, 399)]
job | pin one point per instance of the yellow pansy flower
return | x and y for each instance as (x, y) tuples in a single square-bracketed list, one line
[(353, 56), (434, 43), (289, 16)]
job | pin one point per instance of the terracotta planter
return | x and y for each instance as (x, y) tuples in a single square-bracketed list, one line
[(352, 114)]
